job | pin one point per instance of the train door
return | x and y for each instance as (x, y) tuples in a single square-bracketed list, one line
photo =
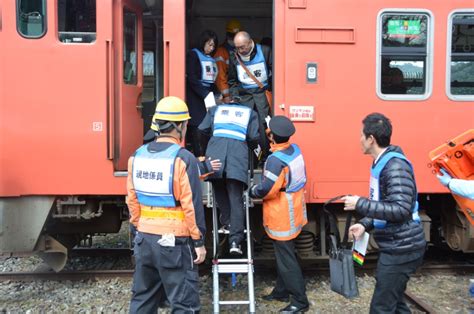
[(128, 76)]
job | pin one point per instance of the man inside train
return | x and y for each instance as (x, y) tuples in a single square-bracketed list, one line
[(222, 56), (250, 77), (392, 211)]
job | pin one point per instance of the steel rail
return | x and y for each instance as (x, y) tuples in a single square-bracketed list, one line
[(418, 303)]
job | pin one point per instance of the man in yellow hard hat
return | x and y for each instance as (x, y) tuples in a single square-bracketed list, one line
[(222, 58), (165, 204)]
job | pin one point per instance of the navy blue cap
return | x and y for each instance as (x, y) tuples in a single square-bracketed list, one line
[(281, 126)]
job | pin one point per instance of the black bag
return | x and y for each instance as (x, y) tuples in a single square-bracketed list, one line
[(341, 265)]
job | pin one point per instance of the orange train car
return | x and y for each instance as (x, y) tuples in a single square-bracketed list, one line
[(79, 80)]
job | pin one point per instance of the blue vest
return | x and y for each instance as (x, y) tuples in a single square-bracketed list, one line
[(374, 192), (295, 162), (231, 121), (208, 68), (152, 174), (257, 66)]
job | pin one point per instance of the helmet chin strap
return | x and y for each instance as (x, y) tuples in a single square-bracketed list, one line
[(178, 129)]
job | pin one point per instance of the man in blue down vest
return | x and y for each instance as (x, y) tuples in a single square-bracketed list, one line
[(392, 211)]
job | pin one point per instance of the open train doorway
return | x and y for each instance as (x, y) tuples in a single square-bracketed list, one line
[(225, 18), (172, 28)]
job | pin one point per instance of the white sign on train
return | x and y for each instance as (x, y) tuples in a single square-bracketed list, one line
[(302, 113)]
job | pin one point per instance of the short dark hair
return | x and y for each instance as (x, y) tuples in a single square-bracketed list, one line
[(280, 139), (379, 126), (204, 37)]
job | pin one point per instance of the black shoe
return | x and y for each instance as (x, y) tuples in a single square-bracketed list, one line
[(235, 249), (290, 308), (271, 297)]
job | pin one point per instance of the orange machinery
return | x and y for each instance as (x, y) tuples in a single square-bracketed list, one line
[(457, 158)]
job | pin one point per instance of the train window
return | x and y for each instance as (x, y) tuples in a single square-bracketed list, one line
[(460, 54), (129, 47), (404, 55), (148, 76), (31, 18), (77, 21)]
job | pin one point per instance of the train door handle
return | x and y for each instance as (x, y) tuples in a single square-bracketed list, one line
[(110, 100)]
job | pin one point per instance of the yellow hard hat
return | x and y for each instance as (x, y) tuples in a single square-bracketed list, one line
[(171, 109), (233, 26), (154, 125)]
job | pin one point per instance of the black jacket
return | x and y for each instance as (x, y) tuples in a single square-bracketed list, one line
[(398, 195), (195, 91), (233, 154)]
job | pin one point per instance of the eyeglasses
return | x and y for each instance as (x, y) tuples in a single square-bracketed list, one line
[(243, 47)]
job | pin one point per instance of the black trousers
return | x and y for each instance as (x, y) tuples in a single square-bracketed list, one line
[(229, 197), (196, 141), (290, 281), (171, 268), (391, 283)]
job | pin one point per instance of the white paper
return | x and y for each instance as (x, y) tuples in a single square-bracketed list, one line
[(361, 244), (210, 101), (167, 240), (257, 151)]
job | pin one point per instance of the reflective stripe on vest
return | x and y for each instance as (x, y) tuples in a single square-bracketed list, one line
[(208, 68), (162, 213), (374, 191), (257, 66), (153, 176), (293, 229), (295, 163), (231, 121)]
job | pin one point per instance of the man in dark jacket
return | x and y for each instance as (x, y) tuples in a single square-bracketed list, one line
[(258, 61), (234, 128), (392, 211)]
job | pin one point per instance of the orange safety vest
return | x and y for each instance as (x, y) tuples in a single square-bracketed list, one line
[(222, 60), (284, 214)]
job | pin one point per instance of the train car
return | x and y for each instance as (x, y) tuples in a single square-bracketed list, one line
[(79, 80)]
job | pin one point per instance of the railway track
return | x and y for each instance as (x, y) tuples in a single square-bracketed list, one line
[(128, 273), (418, 303)]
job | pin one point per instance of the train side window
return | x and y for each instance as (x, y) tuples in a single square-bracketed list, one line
[(77, 21), (31, 18), (404, 55), (148, 76), (460, 54), (129, 47)]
